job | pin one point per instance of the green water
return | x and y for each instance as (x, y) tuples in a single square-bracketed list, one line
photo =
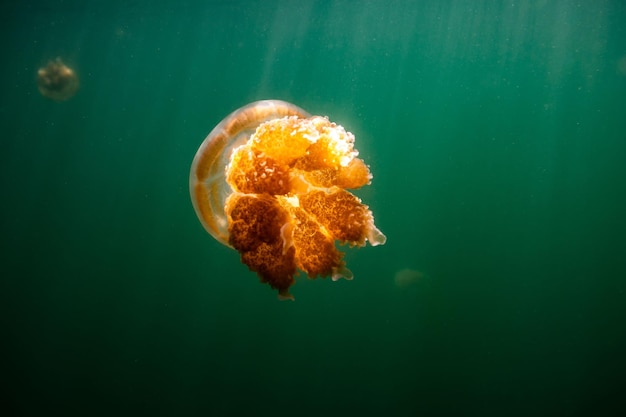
[(496, 133)]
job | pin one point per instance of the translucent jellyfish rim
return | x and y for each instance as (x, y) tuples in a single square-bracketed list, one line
[(207, 178)]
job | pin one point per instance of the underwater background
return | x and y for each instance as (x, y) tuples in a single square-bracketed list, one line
[(496, 134)]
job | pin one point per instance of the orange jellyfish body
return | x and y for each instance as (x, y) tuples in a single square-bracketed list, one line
[(270, 181)]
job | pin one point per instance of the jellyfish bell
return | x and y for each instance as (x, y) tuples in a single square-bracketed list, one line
[(207, 179), (270, 181), (57, 81)]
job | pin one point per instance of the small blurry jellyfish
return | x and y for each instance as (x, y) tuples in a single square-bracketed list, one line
[(57, 81), (270, 181), (407, 277)]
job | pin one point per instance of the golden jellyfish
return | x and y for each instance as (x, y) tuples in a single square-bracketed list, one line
[(57, 81), (271, 182)]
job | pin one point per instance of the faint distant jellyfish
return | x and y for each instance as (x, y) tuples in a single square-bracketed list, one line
[(57, 81), (406, 277), (271, 182)]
